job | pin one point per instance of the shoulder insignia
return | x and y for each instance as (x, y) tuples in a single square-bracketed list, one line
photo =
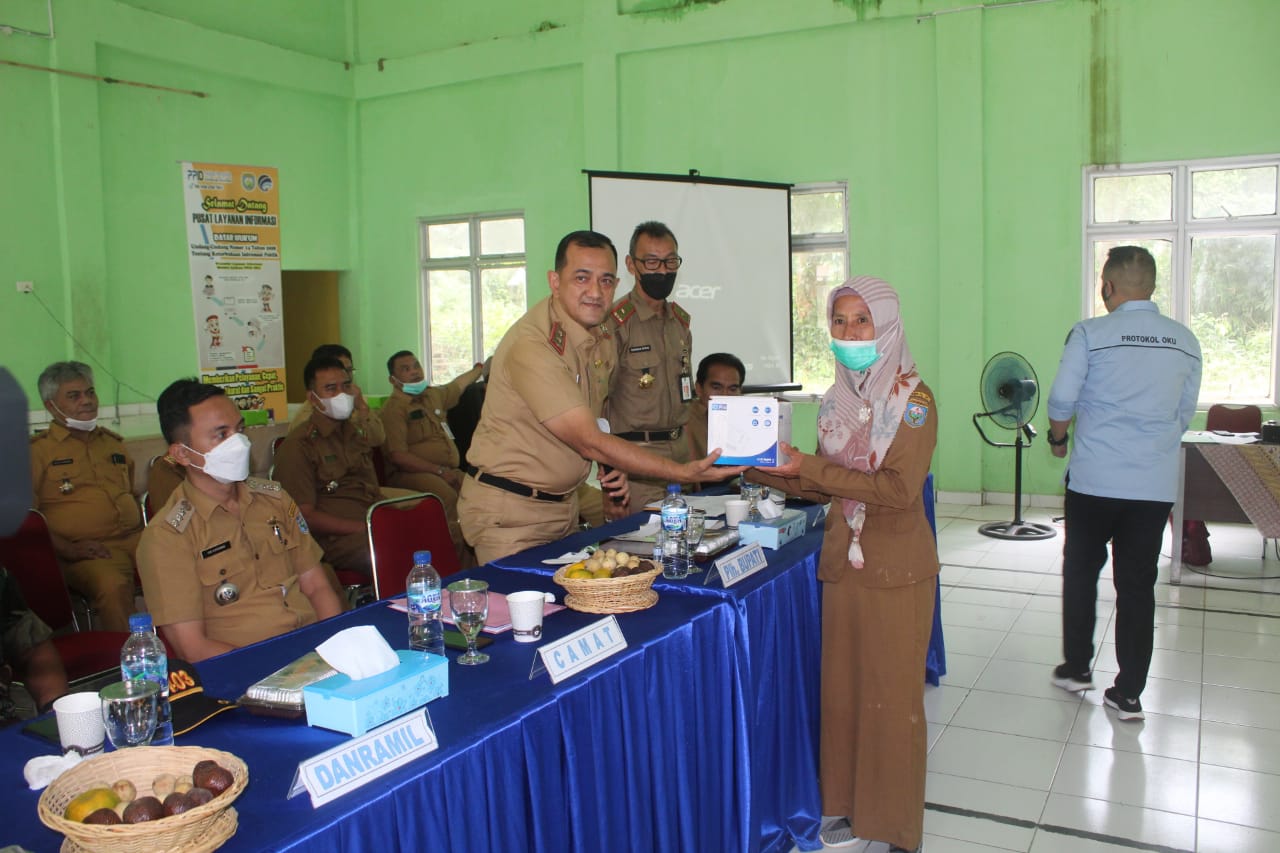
[(623, 312), (681, 314), (180, 516), (919, 396), (301, 522), (557, 337), (258, 484), (915, 414), (117, 436)]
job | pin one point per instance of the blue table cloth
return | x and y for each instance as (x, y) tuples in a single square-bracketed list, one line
[(779, 644), (642, 752)]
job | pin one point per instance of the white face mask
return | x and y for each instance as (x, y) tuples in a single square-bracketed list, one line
[(74, 423), (229, 461), (338, 407)]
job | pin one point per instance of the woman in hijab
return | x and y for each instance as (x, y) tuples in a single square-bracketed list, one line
[(877, 427)]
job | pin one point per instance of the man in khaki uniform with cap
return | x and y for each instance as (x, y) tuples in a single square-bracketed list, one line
[(82, 480), (227, 561), (326, 464), (539, 431), (652, 385)]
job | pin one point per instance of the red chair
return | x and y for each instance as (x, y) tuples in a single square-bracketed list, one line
[(395, 533), (355, 587), (1233, 418), (30, 558)]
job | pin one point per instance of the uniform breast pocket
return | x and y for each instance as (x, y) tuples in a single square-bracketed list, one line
[(221, 569), (62, 477), (640, 362), (276, 566)]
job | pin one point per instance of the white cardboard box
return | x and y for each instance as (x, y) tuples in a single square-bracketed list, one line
[(747, 429)]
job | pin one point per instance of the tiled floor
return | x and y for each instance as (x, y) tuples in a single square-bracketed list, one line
[(1017, 764)]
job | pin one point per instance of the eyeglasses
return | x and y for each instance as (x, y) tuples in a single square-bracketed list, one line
[(654, 264)]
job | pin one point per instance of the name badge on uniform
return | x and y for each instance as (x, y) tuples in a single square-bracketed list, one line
[(118, 458), (686, 388), (62, 462), (417, 415), (216, 549)]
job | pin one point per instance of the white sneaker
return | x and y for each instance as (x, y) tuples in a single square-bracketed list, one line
[(838, 833)]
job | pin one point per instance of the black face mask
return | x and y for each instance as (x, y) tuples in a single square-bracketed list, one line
[(657, 285)]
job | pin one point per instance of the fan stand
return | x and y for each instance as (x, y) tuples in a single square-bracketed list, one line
[(1017, 529)]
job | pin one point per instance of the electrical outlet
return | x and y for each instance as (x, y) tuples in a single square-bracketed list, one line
[(25, 287)]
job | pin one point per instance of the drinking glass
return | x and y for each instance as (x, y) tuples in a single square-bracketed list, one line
[(752, 493), (469, 601), (129, 712), (694, 534)]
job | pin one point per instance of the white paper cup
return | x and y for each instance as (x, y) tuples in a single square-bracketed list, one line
[(735, 512), (80, 725), (526, 614)]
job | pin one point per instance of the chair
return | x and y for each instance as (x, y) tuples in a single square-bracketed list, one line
[(1233, 418), (355, 587), (29, 556), (395, 533)]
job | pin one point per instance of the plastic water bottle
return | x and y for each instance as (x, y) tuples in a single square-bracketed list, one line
[(422, 591), (143, 657), (674, 534)]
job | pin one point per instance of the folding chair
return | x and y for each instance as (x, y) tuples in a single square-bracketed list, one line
[(395, 533), (30, 558), (379, 466)]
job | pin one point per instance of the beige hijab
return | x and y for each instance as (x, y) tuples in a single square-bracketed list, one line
[(861, 412)]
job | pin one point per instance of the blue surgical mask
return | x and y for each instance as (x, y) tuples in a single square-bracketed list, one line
[(413, 389), (855, 355)]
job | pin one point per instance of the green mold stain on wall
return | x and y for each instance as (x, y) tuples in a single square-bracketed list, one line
[(1104, 116)]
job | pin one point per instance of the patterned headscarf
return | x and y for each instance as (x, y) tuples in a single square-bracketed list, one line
[(860, 413)]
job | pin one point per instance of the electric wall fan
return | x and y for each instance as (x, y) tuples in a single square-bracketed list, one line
[(1011, 395)]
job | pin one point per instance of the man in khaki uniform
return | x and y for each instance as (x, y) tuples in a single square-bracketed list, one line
[(652, 386), (326, 464), (227, 561), (539, 431), (719, 375), (83, 483), (363, 416), (419, 448)]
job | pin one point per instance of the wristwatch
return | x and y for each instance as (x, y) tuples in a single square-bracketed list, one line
[(1058, 443)]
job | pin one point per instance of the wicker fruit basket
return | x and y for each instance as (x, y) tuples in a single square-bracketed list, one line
[(609, 595), (191, 830)]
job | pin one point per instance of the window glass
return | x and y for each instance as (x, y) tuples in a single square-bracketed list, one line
[(813, 275), (1133, 198), (448, 240), (503, 296), (1229, 193), (1232, 300), (817, 213), (502, 236), (449, 292), (1161, 250)]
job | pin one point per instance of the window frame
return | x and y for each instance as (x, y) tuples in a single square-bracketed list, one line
[(1181, 230), (474, 264), (820, 242)]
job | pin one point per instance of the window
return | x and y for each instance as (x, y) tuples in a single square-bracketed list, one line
[(473, 288), (1213, 227), (819, 262)]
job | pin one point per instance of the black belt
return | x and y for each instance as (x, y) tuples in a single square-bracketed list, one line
[(512, 486), (650, 435)]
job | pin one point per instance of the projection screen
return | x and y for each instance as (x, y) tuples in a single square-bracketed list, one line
[(734, 238)]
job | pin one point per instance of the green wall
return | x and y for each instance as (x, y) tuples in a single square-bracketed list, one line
[(961, 132)]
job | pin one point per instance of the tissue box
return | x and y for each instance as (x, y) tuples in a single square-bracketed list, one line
[(354, 707), (747, 429), (774, 532)]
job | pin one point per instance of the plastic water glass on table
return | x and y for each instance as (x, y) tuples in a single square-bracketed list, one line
[(129, 712), (422, 594), (143, 657), (673, 535)]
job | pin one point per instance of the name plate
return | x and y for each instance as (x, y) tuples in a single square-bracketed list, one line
[(359, 761), (582, 649), (741, 563)]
